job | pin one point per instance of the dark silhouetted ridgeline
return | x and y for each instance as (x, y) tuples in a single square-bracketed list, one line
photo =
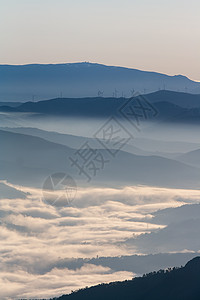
[(169, 107), (174, 284)]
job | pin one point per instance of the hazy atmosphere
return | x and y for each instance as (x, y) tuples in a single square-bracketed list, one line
[(99, 150)]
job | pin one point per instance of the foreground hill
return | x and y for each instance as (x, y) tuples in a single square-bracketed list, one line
[(176, 284), (24, 82)]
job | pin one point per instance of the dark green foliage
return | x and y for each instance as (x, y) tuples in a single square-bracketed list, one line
[(172, 284)]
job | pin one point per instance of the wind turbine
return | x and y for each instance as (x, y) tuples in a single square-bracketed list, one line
[(33, 98), (115, 93), (132, 92)]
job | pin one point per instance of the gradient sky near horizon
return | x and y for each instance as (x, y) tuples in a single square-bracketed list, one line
[(157, 35)]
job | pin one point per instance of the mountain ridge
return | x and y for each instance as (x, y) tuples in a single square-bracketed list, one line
[(166, 106), (176, 284), (43, 81), (19, 154)]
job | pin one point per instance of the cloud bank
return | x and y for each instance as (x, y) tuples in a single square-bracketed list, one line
[(37, 237)]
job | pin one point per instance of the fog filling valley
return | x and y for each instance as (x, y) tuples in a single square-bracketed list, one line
[(50, 246)]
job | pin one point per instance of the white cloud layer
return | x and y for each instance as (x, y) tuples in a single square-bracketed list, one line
[(35, 236)]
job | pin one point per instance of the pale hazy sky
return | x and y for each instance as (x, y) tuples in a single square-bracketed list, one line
[(159, 35)]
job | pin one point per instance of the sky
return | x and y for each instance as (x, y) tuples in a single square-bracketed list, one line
[(154, 35)]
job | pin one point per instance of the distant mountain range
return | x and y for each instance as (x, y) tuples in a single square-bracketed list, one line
[(175, 284), (31, 159), (164, 106), (191, 158), (40, 81)]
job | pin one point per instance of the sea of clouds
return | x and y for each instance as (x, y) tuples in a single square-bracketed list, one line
[(37, 238)]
